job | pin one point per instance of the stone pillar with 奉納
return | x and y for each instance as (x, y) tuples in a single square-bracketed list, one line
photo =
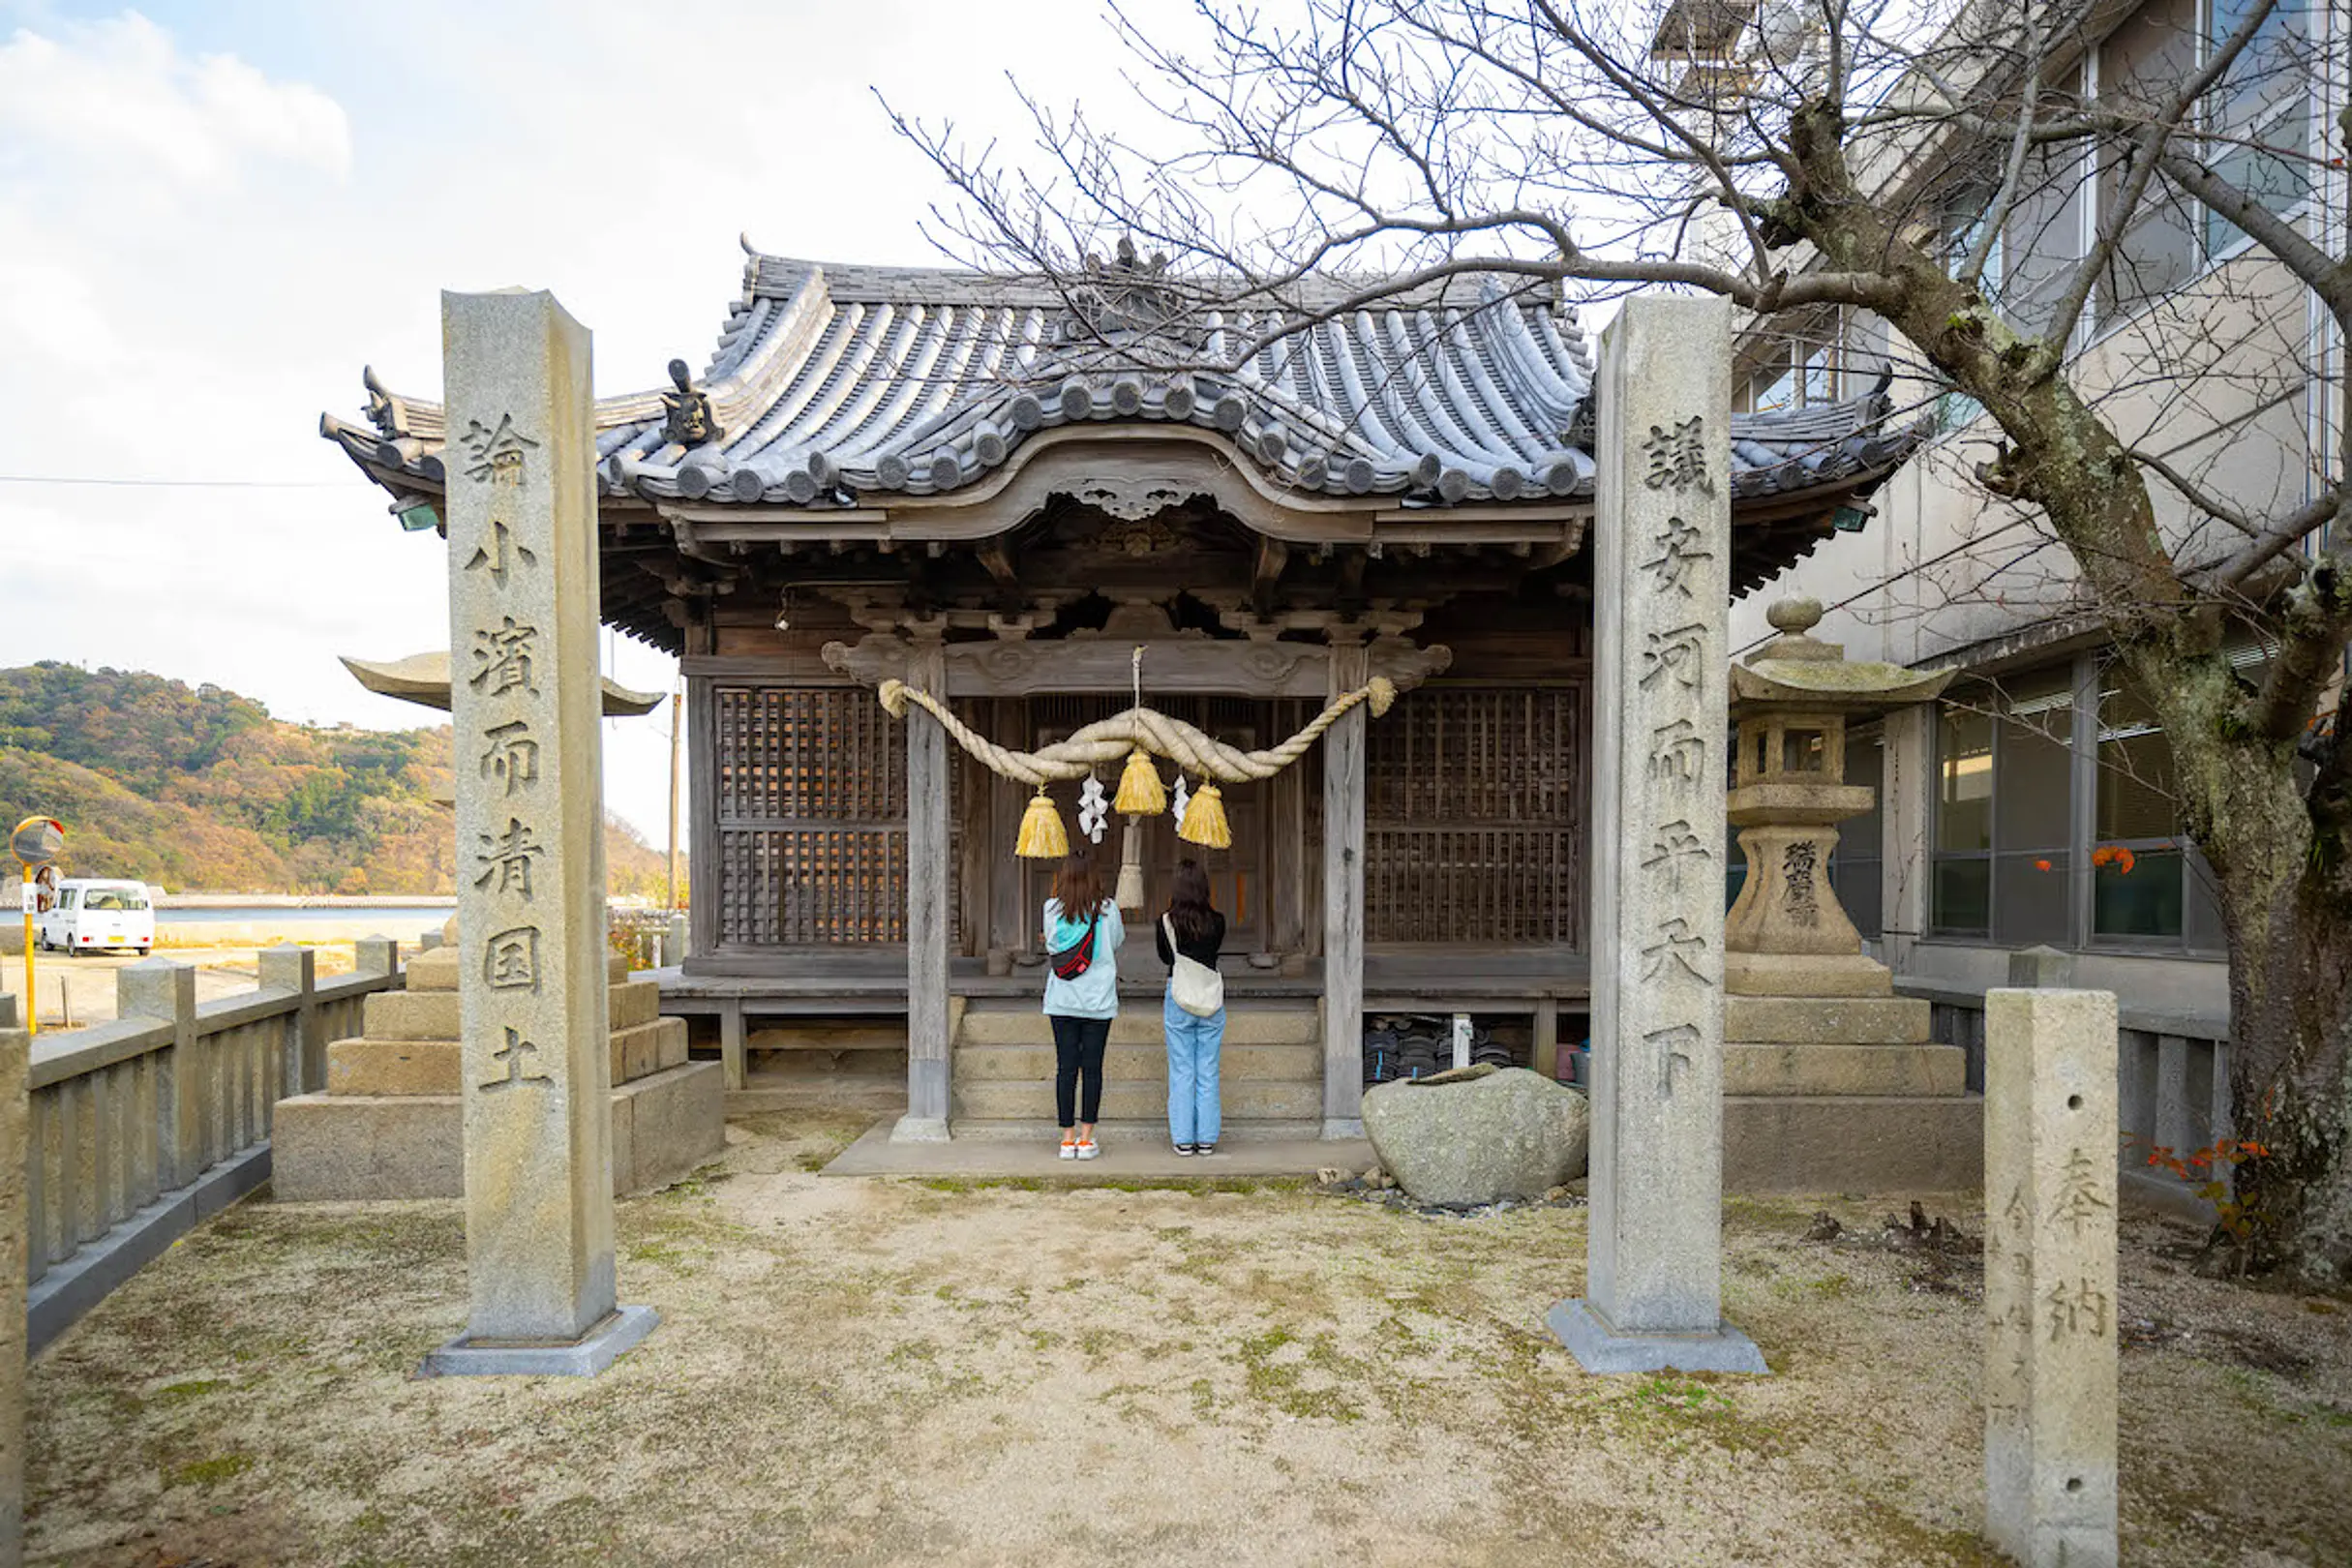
[(1660, 587), (527, 702), (2049, 1277)]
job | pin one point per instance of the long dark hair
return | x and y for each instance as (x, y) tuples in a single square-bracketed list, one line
[(1190, 911), (1077, 886)]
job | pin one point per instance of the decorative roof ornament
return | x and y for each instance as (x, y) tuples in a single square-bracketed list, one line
[(386, 413), (688, 421), (1123, 296)]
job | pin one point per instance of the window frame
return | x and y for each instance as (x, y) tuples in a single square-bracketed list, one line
[(2200, 937)]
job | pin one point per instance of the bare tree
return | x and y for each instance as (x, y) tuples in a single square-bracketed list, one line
[(1812, 156)]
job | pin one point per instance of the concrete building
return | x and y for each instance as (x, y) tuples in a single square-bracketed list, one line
[(2031, 805)]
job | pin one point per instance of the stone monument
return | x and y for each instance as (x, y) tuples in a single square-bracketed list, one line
[(1662, 585), (1830, 1080), (531, 961), (2049, 1277)]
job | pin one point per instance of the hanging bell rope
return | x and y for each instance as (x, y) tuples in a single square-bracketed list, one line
[(1107, 740)]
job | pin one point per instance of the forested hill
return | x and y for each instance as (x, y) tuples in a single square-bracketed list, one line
[(199, 790)]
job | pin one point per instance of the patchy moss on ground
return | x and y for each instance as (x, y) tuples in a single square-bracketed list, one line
[(871, 1372)]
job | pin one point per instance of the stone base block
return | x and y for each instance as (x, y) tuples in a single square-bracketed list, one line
[(1826, 1020), (1601, 1350), (1844, 1070), (667, 1126), (344, 1148), (433, 1067), (1852, 1143), (438, 970), (1799, 974), (414, 1014), (347, 1148), (434, 970), (591, 1353)]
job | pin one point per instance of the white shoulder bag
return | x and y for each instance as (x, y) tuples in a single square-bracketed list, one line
[(1198, 988)]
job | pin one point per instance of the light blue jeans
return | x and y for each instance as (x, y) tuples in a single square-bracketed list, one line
[(1192, 1047)]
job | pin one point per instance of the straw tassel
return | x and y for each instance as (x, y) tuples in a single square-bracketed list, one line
[(1204, 819), (1141, 792), (1042, 836)]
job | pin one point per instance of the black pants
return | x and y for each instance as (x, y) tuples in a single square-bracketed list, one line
[(1078, 1044)]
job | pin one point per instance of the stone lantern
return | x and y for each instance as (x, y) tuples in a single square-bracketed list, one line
[(1787, 935)]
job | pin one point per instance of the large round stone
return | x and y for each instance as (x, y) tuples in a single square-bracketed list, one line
[(1479, 1136)]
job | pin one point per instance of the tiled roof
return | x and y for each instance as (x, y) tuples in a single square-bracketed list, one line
[(841, 384)]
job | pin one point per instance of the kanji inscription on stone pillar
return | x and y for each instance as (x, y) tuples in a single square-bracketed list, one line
[(1661, 574), (527, 702), (2049, 1276)]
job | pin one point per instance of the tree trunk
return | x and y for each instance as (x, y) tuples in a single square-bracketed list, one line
[(2291, 1056)]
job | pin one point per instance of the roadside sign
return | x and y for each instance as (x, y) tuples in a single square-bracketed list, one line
[(37, 840)]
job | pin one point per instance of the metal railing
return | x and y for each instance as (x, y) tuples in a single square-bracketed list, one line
[(144, 1126)]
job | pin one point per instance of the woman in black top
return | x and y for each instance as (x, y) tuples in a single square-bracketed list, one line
[(1198, 931)]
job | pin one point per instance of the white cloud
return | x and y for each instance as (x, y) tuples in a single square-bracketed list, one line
[(118, 96), (209, 228)]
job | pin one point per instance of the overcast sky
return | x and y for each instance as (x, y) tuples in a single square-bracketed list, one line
[(214, 212)]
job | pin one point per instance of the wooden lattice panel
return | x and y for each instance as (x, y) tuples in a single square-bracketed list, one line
[(812, 841), (1474, 817)]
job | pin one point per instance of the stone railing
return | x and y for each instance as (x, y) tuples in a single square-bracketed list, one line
[(2173, 1088), (144, 1126)]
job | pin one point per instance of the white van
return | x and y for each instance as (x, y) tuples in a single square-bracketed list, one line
[(90, 916)]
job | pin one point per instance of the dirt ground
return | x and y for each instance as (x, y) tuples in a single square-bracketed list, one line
[(877, 1372)]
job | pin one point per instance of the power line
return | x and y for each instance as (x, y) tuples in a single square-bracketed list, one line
[(173, 484)]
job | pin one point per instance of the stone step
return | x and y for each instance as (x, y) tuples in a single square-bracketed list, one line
[(1825, 1020), (1852, 1143), (1791, 973), (1025, 1025), (432, 1067), (1296, 1063), (1115, 1135), (1140, 1101), (344, 1147), (1844, 1070), (433, 1014), (437, 970)]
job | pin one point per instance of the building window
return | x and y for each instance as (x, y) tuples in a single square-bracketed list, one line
[(2259, 123), (2004, 771), (1963, 873), (2140, 863), (1793, 367), (2006, 848), (1854, 863)]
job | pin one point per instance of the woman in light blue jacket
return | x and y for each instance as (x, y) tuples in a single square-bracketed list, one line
[(1083, 1002)]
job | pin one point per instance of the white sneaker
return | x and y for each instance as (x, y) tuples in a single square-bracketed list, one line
[(1088, 1148), (1070, 1148)]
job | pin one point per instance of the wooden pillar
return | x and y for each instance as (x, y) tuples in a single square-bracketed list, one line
[(701, 834), (927, 1117), (1344, 905), (1286, 837), (1009, 919), (732, 1052), (1547, 1046)]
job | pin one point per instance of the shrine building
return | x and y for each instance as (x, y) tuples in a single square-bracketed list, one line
[(996, 490)]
